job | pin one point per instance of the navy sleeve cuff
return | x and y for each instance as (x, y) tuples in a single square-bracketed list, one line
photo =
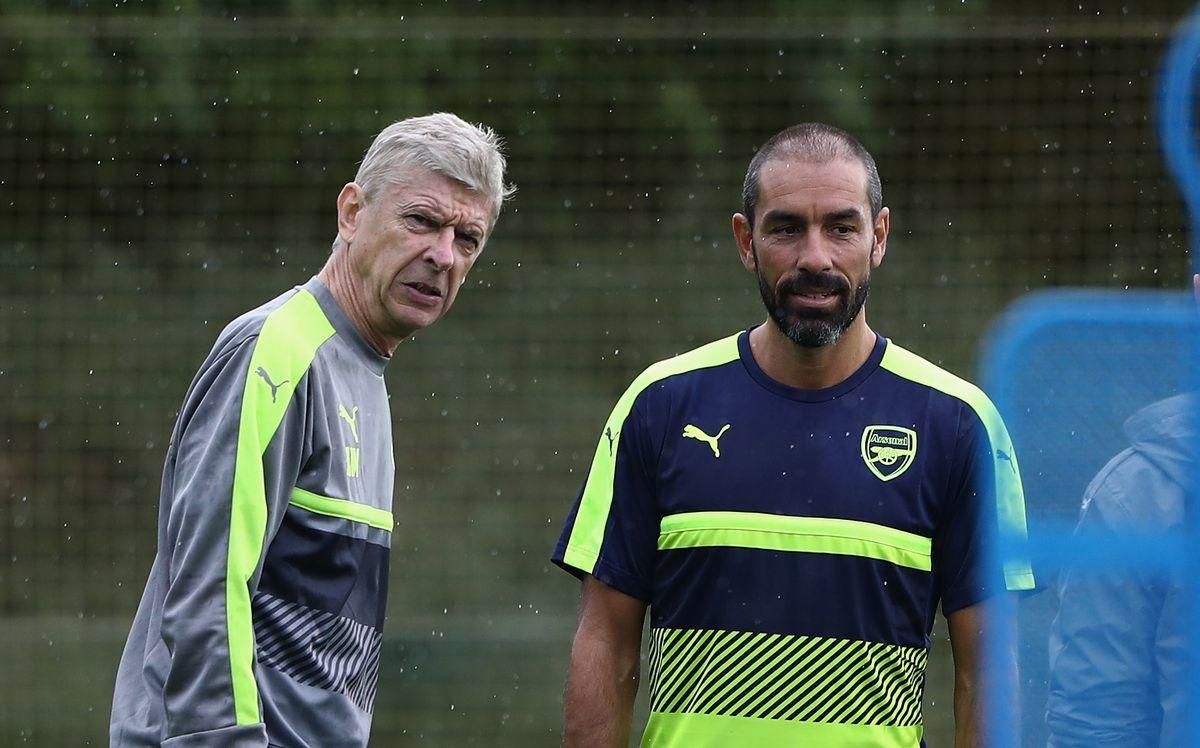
[(607, 574)]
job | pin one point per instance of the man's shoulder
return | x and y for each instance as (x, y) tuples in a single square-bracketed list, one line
[(1130, 493), (910, 367), (708, 356), (290, 319), (250, 323)]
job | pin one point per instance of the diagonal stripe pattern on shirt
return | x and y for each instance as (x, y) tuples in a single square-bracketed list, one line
[(318, 648), (784, 677)]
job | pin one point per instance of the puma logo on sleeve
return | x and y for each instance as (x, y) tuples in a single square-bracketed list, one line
[(267, 378)]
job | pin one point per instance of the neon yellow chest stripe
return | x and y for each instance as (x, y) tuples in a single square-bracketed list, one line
[(796, 534), (284, 349)]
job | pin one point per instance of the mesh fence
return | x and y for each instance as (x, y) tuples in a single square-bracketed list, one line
[(165, 167)]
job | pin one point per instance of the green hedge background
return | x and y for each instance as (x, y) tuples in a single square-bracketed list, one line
[(167, 165)]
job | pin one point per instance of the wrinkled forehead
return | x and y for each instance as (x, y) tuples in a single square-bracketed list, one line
[(443, 193)]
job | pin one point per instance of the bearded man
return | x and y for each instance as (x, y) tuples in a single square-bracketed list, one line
[(791, 503)]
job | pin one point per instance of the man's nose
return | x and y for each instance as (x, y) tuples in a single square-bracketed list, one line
[(814, 252), (440, 252)]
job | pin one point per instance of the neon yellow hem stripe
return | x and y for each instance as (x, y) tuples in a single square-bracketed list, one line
[(774, 532), (1010, 496), (684, 730), (284, 350), (341, 508), (587, 533)]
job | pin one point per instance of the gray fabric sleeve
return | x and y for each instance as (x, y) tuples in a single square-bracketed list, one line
[(1103, 686), (1175, 658), (198, 690)]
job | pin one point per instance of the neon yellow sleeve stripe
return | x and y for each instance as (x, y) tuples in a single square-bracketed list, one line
[(368, 515), (775, 532), (285, 348), (587, 534), (1010, 496)]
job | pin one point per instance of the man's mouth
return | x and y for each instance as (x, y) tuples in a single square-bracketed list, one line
[(812, 295), (425, 288), (817, 294), (813, 288)]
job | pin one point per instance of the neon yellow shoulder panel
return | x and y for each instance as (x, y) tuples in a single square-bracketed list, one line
[(285, 348), (1010, 496), (587, 534)]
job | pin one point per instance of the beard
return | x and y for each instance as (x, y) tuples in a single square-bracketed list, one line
[(813, 328)]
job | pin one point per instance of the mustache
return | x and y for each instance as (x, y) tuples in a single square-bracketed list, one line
[(804, 280)]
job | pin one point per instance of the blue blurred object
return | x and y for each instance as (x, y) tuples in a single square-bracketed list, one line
[(1067, 369), (1176, 120), (1085, 381), (1177, 132)]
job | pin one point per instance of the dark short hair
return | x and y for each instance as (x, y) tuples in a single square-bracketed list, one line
[(811, 141)]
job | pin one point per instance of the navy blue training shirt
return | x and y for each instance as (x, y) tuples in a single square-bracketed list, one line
[(794, 545)]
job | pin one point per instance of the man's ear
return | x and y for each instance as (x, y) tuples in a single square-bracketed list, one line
[(743, 234), (350, 203), (883, 224)]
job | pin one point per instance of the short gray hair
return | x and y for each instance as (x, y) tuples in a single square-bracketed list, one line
[(441, 142)]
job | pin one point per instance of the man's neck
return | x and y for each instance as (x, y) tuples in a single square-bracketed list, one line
[(811, 368), (338, 279)]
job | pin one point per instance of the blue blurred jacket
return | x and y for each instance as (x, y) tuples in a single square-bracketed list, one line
[(1118, 666)]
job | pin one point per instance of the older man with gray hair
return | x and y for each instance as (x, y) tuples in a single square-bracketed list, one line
[(262, 617)]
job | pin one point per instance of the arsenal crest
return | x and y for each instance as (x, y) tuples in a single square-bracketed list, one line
[(888, 450)]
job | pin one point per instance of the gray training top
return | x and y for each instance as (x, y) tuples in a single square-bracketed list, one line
[(260, 624)]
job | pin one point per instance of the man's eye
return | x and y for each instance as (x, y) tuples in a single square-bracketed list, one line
[(467, 242), (787, 230), (420, 221), (843, 230)]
